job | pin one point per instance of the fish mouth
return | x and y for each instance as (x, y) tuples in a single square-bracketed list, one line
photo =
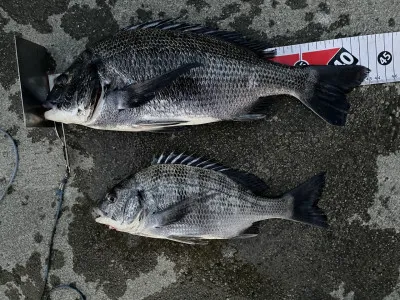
[(101, 217), (97, 213), (48, 105)]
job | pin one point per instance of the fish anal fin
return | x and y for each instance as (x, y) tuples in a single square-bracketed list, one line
[(262, 106), (250, 232)]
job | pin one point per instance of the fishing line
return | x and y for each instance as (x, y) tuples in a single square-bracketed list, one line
[(60, 198), (16, 163), (60, 194)]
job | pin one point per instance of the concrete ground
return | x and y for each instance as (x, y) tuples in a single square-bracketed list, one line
[(357, 258)]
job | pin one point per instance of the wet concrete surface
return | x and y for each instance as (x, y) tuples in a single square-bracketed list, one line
[(357, 258)]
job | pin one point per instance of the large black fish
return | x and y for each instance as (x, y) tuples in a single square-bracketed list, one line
[(164, 74)]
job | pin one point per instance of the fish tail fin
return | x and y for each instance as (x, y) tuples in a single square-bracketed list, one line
[(305, 202), (329, 86)]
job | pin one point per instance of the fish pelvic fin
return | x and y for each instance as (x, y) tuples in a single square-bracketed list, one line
[(187, 240), (330, 85), (305, 202)]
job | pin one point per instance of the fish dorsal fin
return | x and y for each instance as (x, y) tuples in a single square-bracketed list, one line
[(247, 180), (229, 36)]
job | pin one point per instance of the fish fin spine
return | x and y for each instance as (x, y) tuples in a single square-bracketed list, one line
[(261, 48), (250, 181)]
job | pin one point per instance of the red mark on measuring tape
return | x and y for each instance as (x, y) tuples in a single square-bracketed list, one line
[(333, 56), (290, 59), (321, 57)]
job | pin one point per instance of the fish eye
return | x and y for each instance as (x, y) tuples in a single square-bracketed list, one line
[(111, 198), (61, 80), (68, 96)]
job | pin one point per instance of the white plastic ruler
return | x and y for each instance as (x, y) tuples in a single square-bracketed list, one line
[(379, 52)]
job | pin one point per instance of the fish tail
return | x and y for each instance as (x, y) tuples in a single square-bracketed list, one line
[(328, 88), (305, 198)]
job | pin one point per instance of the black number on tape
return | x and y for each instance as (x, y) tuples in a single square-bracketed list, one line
[(385, 58), (301, 63), (343, 57)]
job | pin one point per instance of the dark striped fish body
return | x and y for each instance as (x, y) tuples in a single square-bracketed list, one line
[(164, 74), (190, 200)]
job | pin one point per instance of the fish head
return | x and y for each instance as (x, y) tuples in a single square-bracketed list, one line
[(75, 93), (121, 208)]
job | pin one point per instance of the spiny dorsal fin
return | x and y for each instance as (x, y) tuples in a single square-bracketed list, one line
[(247, 180), (229, 36)]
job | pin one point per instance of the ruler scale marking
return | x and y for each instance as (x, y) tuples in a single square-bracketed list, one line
[(369, 67), (351, 46), (376, 51), (359, 50), (393, 61), (384, 42)]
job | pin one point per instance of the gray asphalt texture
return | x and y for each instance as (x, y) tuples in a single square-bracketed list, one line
[(357, 258)]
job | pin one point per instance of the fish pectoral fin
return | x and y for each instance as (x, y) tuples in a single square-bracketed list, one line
[(171, 214), (140, 93), (177, 211), (188, 240)]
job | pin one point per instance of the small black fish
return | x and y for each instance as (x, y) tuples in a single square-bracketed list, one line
[(190, 200)]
